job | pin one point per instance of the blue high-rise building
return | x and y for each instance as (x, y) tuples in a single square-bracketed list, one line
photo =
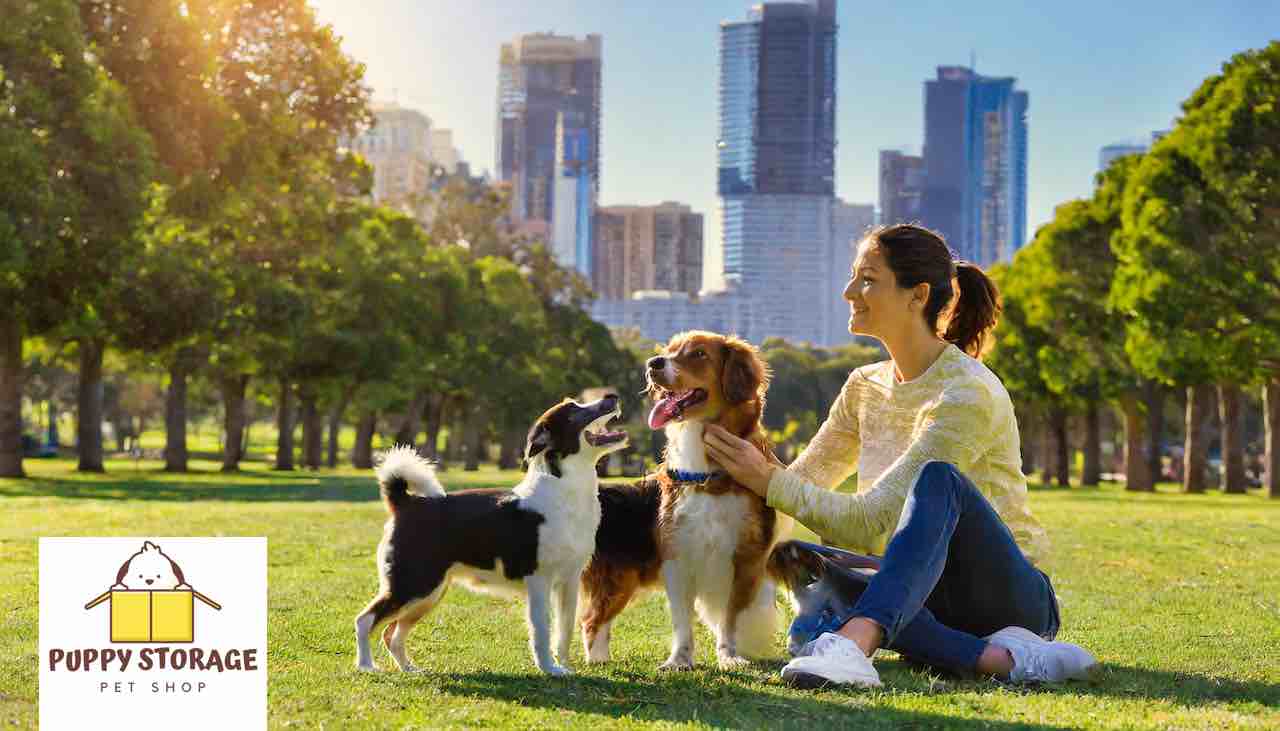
[(975, 163), (548, 137), (777, 164)]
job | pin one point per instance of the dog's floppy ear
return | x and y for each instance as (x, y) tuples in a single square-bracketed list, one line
[(539, 440), (744, 373)]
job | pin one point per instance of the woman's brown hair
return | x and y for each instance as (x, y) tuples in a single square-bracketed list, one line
[(916, 255)]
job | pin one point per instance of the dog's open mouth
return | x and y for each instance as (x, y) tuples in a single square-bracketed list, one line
[(599, 436), (672, 406)]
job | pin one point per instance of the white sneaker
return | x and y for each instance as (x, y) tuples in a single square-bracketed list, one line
[(1036, 660), (832, 660)]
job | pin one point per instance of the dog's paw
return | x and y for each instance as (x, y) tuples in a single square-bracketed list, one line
[(597, 658), (732, 662), (366, 668), (678, 664), (557, 671)]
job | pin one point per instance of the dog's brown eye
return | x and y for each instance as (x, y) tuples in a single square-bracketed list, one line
[(699, 354)]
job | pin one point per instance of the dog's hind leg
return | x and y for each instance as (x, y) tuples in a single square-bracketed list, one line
[(607, 594), (380, 610), (397, 632), (539, 588)]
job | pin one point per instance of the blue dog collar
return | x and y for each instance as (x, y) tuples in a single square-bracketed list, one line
[(698, 477)]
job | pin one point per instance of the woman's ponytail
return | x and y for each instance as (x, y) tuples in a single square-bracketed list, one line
[(976, 311)]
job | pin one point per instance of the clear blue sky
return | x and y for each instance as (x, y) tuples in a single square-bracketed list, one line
[(1097, 72)]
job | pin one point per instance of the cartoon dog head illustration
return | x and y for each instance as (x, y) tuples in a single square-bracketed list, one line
[(150, 568)]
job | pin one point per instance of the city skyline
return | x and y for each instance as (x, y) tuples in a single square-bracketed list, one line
[(1100, 73)]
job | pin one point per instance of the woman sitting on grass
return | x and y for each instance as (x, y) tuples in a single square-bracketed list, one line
[(932, 435)]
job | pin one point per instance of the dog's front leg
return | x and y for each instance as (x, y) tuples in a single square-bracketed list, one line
[(539, 589), (680, 597), (566, 614)]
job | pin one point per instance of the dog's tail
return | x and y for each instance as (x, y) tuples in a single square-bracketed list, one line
[(401, 473)]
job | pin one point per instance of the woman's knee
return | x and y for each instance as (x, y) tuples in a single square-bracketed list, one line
[(935, 474)]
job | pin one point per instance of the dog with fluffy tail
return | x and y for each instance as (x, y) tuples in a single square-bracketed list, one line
[(533, 540)]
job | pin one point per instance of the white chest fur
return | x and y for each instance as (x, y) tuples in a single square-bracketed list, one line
[(685, 450), (570, 508)]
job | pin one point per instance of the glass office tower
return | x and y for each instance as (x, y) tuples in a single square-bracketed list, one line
[(776, 159)]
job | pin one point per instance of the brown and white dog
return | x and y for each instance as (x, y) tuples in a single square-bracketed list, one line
[(535, 538), (690, 525)]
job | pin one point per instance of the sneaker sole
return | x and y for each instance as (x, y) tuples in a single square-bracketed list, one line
[(807, 681)]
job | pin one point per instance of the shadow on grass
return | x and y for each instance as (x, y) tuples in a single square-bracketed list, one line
[(310, 489), (1188, 689), (689, 698)]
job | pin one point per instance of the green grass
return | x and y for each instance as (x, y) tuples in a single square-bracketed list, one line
[(1178, 595)]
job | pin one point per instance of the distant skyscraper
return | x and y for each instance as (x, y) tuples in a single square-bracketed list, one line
[(642, 248), (777, 164), (399, 147), (901, 185), (575, 193), (548, 136), (975, 160), (443, 153), (1120, 149), (849, 223)]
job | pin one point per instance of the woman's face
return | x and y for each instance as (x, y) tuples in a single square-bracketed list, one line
[(877, 304)]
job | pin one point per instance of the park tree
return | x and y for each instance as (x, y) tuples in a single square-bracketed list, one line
[(161, 54), (1073, 266), (295, 95), (78, 164), (1200, 249), (1016, 358)]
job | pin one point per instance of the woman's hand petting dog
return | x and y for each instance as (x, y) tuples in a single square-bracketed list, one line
[(740, 458)]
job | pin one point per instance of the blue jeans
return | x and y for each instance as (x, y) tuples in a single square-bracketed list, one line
[(951, 574)]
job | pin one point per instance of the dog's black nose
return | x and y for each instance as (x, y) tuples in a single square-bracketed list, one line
[(149, 582), (657, 363)]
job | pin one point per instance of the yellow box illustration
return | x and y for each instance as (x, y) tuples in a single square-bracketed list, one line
[(163, 614), (152, 616)]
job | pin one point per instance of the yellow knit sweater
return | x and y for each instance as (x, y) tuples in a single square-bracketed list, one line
[(957, 411)]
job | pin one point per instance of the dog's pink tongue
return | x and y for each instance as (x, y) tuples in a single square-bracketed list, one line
[(663, 411)]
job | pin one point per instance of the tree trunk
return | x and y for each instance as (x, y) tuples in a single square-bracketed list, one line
[(407, 432), (335, 424), (175, 418), (312, 430), (473, 437), (1092, 472), (1062, 447), (284, 426), (1047, 453), (1195, 445), (1027, 445), (10, 398), (122, 430), (362, 451), (1232, 438), (233, 406), (1137, 472), (512, 446), (1271, 417), (435, 418), (89, 406), (1153, 394)]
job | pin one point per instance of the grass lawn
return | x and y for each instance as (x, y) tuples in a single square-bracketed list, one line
[(1179, 596)]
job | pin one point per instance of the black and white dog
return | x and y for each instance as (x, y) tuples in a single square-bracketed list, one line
[(536, 537)]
